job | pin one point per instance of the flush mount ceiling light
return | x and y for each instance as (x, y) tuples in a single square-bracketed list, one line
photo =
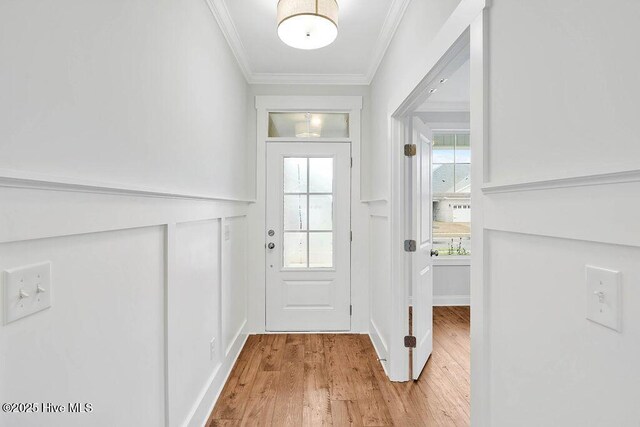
[(308, 24), (309, 128)]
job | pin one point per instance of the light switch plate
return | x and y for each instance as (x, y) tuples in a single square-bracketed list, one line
[(27, 290), (604, 297)]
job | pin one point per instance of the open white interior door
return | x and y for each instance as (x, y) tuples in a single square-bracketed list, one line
[(421, 261)]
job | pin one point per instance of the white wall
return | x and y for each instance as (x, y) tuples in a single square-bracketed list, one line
[(122, 135), (402, 63), (572, 115), (451, 282), (137, 92)]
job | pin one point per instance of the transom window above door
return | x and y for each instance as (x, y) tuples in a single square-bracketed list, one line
[(308, 125), (308, 212)]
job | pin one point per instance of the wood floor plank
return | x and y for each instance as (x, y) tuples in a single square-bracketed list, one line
[(438, 408), (454, 327), (451, 400), (451, 339), (223, 423), (464, 312), (225, 407), (290, 391), (454, 370), (336, 362), (400, 401), (373, 407), (262, 399), (421, 409), (234, 399), (295, 339), (345, 413), (272, 359), (316, 405), (336, 379)]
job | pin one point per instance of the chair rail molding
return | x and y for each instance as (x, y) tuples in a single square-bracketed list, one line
[(606, 178), (38, 181)]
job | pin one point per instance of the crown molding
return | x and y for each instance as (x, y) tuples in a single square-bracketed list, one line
[(308, 79), (225, 22), (391, 23)]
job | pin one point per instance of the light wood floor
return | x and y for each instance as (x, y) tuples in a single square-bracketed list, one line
[(315, 380)]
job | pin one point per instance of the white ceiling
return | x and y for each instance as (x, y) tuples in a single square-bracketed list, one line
[(452, 95), (366, 28)]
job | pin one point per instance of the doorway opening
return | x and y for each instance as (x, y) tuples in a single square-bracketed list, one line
[(437, 209), (309, 215), (412, 264)]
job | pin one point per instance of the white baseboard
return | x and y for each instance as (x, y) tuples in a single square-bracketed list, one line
[(208, 399), (241, 331), (444, 300), (379, 345)]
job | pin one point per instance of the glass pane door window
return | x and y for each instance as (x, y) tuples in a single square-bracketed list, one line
[(308, 212), (307, 245)]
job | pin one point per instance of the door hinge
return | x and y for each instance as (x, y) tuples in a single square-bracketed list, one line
[(410, 150), (352, 162), (410, 341), (350, 310), (351, 235), (409, 245)]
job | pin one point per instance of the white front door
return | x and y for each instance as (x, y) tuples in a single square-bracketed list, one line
[(308, 243), (421, 263)]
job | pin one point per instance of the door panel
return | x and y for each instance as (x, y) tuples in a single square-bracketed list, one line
[(308, 244), (421, 263)]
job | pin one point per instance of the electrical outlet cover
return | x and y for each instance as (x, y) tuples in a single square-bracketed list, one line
[(27, 290), (603, 297)]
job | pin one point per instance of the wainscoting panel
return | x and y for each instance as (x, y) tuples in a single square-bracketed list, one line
[(149, 303), (539, 236), (194, 316), (102, 340), (540, 334), (380, 280), (234, 281)]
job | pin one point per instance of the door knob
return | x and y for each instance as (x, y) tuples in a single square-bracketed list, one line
[(271, 245), (434, 252)]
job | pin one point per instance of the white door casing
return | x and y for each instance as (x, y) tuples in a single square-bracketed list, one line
[(308, 267), (421, 262), (467, 25)]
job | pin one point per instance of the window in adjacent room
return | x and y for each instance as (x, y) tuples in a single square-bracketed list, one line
[(451, 181)]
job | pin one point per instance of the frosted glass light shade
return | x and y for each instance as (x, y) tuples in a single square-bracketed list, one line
[(307, 130), (308, 24)]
